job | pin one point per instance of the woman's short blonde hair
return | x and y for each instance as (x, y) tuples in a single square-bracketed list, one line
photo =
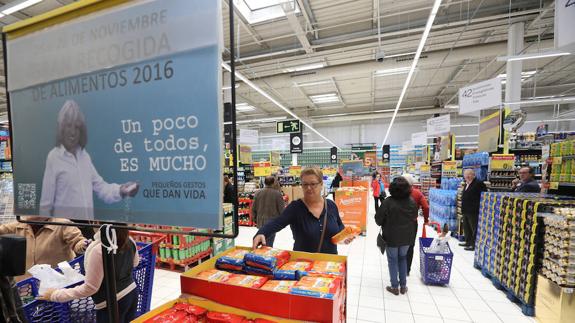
[(312, 171)]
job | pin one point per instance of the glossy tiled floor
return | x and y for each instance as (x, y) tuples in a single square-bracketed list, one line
[(469, 297)]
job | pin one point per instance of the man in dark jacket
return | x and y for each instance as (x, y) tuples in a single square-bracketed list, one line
[(268, 204), (526, 182), (228, 190), (470, 207)]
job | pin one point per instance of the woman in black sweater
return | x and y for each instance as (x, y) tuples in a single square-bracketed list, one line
[(397, 216)]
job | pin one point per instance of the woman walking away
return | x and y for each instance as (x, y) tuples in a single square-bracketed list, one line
[(397, 215), (376, 188)]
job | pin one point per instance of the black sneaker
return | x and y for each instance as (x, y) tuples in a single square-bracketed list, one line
[(463, 244), (394, 291), (470, 248)]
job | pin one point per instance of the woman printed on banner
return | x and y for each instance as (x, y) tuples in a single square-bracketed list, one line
[(70, 178)]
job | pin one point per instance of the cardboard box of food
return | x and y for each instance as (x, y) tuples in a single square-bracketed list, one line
[(554, 304)]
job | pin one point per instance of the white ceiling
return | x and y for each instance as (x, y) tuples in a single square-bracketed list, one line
[(342, 35)]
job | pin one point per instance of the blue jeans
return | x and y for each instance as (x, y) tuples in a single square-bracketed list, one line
[(397, 263)]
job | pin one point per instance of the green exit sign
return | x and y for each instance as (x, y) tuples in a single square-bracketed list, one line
[(288, 126)]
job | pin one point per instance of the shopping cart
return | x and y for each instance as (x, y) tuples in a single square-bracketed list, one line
[(435, 268), (83, 310)]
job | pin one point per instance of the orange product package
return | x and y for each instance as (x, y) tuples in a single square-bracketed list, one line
[(328, 268), (301, 265), (348, 232), (247, 280), (279, 286), (214, 275), (323, 287)]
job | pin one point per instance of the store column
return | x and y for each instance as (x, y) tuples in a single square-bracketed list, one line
[(515, 45)]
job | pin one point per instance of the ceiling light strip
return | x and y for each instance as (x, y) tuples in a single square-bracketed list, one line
[(426, 32), (274, 101)]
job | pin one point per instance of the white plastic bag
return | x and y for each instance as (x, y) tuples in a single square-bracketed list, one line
[(439, 245), (50, 278)]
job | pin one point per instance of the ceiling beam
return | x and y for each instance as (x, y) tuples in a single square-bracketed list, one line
[(305, 8), (293, 21)]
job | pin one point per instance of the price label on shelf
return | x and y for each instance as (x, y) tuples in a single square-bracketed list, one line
[(557, 160), (554, 185)]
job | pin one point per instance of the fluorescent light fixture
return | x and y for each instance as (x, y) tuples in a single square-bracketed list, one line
[(465, 125), (524, 76), (468, 147), (17, 6), (324, 98), (393, 71), (552, 120), (304, 84), (276, 102), (426, 32), (565, 99), (402, 54), (262, 120), (452, 106), (229, 87), (308, 67), (467, 143), (543, 54), (244, 107), (466, 136)]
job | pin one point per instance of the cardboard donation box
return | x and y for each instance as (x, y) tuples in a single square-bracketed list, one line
[(554, 304), (352, 205), (286, 305)]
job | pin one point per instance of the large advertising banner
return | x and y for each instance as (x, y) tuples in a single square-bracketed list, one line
[(117, 116)]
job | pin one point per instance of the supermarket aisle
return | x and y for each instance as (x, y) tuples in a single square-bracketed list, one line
[(469, 297)]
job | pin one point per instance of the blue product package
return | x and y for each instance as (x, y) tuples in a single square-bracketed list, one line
[(304, 292), (286, 274), (228, 263), (258, 271), (266, 258)]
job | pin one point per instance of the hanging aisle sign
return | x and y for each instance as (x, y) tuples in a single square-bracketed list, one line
[(126, 109), (564, 17), (480, 96), (438, 126), (419, 139)]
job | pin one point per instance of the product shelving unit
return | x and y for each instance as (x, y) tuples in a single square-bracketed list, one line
[(509, 244)]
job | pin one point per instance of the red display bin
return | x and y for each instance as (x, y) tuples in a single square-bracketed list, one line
[(293, 307)]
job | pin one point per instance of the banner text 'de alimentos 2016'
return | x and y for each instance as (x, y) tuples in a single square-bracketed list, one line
[(116, 115)]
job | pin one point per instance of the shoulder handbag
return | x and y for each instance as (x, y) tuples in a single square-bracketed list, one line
[(324, 227), (381, 244)]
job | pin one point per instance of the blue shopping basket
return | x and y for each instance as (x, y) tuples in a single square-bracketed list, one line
[(83, 310), (435, 268)]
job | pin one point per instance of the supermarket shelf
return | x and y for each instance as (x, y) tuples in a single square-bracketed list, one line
[(526, 149), (195, 242), (566, 184), (502, 177)]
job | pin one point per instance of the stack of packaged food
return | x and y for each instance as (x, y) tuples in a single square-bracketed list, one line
[(272, 269), (559, 255)]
